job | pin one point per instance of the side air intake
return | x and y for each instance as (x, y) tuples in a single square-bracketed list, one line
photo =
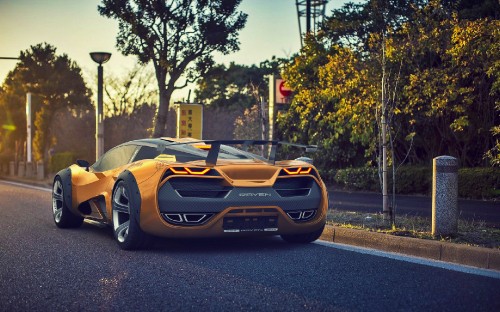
[(293, 186)]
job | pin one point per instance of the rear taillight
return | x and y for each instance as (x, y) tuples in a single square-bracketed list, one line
[(298, 170), (189, 170)]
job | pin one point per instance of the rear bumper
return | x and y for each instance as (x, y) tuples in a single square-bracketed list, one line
[(238, 211), (217, 225)]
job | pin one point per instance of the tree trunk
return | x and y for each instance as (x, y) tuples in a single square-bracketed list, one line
[(165, 94), (162, 114)]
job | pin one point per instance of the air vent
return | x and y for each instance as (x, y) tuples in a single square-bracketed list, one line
[(199, 187), (301, 215), (293, 186), (187, 218)]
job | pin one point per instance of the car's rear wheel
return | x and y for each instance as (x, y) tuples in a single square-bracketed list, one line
[(63, 217), (303, 238), (126, 227)]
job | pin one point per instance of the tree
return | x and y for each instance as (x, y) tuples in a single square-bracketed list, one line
[(353, 24), (332, 106), (450, 78), (55, 82), (247, 126), (440, 78), (177, 36), (236, 85), (126, 94)]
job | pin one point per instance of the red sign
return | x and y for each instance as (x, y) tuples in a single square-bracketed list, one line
[(282, 94), (285, 91)]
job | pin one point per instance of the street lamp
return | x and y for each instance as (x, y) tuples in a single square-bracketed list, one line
[(100, 58)]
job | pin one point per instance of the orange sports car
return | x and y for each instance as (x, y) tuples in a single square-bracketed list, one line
[(188, 188)]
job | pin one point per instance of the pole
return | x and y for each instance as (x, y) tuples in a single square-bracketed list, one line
[(262, 124), (99, 114), (28, 127), (308, 16), (385, 197)]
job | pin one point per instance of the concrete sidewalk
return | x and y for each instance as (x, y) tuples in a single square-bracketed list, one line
[(486, 258)]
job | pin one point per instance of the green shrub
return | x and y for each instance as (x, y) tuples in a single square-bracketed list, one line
[(479, 183), (365, 178), (475, 183), (61, 160), (412, 180)]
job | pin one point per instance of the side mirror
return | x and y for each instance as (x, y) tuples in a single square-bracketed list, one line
[(83, 163)]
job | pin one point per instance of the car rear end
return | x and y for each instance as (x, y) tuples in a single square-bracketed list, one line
[(235, 199)]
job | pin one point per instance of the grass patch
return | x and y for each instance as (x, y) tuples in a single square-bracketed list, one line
[(472, 233)]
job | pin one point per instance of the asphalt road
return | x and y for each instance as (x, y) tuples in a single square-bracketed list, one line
[(43, 268), (477, 210)]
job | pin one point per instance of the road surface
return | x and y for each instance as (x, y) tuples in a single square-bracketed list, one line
[(477, 210), (43, 268)]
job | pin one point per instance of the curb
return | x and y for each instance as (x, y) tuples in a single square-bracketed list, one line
[(47, 183), (479, 257)]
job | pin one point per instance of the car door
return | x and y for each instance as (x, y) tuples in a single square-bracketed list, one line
[(97, 184)]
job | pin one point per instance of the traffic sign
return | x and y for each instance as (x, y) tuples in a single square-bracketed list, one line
[(283, 93)]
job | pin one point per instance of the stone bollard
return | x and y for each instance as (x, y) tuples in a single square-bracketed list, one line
[(40, 173), (21, 168), (29, 170), (444, 195), (12, 168)]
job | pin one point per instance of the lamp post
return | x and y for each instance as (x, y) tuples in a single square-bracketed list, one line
[(100, 58)]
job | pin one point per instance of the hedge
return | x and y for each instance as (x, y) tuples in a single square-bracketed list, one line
[(60, 161), (474, 183), (479, 183)]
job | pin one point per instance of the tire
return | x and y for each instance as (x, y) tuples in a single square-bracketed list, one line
[(127, 232), (63, 216), (303, 238)]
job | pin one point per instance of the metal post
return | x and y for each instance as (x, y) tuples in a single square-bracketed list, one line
[(444, 195), (271, 108), (387, 213), (28, 127), (100, 58), (308, 16), (99, 114)]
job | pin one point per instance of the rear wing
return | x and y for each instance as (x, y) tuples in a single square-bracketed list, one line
[(213, 153)]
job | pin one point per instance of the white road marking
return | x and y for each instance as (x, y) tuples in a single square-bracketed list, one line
[(417, 260), (26, 186)]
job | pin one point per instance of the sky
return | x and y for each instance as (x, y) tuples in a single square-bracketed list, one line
[(75, 28)]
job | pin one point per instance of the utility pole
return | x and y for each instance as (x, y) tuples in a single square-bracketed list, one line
[(313, 11)]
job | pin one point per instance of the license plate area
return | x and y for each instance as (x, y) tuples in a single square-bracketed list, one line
[(250, 224)]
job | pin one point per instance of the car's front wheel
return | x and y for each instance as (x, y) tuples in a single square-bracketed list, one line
[(126, 227), (303, 238), (63, 217)]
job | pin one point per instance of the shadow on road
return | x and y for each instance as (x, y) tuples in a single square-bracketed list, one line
[(225, 245), (193, 245)]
